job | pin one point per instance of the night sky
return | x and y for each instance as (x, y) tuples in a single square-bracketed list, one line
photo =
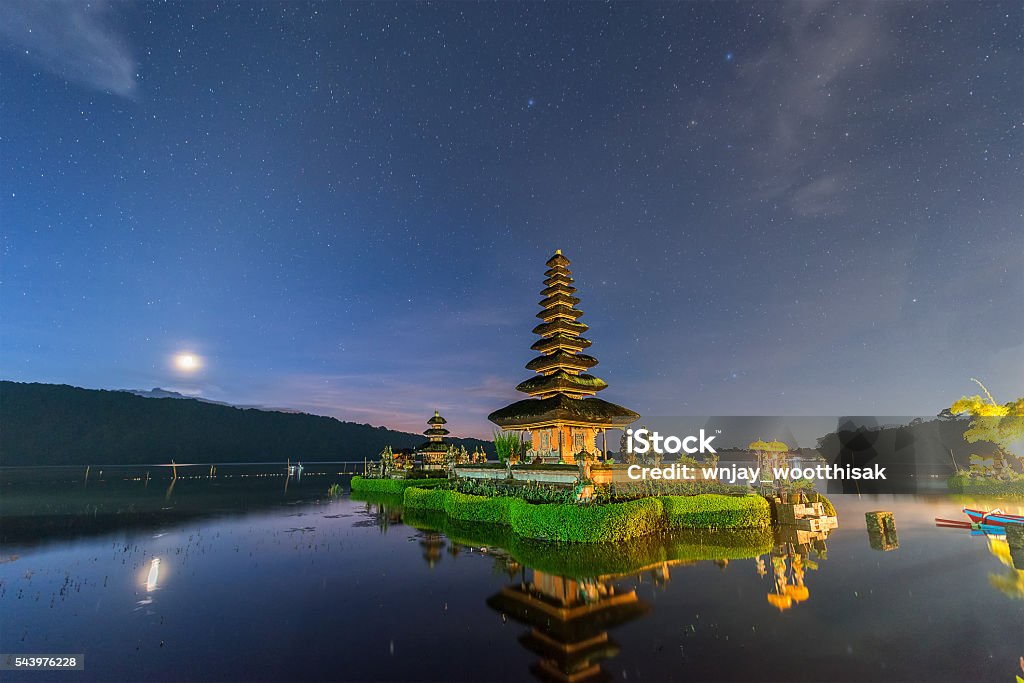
[(793, 209)]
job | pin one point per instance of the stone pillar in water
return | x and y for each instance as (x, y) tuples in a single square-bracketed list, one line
[(882, 530)]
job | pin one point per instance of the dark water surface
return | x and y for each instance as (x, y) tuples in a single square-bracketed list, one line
[(237, 578)]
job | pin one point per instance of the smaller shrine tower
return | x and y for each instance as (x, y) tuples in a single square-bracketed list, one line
[(432, 452)]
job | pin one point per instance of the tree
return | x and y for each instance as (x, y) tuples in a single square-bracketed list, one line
[(1002, 425)]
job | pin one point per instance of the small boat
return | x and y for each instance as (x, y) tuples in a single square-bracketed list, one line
[(994, 518), (975, 529)]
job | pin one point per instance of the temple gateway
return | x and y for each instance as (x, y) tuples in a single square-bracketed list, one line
[(562, 417)]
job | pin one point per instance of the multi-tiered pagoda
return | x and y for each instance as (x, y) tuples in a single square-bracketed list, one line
[(562, 416), (432, 452)]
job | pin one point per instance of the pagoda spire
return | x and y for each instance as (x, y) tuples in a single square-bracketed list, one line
[(562, 415), (435, 432), (562, 367)]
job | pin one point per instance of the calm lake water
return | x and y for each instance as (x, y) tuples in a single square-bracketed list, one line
[(262, 577)]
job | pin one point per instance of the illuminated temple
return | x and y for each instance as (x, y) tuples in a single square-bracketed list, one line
[(562, 416)]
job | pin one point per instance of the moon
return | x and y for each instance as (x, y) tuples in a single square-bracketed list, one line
[(187, 362)]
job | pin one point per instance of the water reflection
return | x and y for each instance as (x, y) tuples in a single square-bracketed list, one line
[(48, 507), (1010, 583), (791, 558), (385, 511), (432, 544), (568, 621), (690, 605), (570, 596), (154, 575)]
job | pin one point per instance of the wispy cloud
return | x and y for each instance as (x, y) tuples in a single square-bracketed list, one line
[(811, 81), (75, 40)]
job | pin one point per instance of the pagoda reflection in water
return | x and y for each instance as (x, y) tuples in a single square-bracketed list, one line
[(569, 620), (569, 617)]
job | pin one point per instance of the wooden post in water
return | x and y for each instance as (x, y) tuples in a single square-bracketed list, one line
[(174, 468), (87, 474)]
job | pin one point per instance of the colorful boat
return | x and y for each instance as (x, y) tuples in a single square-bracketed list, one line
[(994, 518)]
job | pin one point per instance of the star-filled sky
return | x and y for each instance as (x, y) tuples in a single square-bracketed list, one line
[(770, 208)]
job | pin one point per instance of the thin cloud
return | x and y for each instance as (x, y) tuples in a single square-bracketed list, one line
[(75, 40), (825, 64)]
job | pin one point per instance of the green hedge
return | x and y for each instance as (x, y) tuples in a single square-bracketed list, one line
[(595, 523), (396, 486), (714, 511), (464, 507), (588, 523), (429, 499), (986, 486)]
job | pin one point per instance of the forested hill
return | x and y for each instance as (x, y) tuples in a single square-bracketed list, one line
[(51, 424)]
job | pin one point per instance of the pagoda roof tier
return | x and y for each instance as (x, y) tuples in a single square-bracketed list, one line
[(557, 260), (533, 412), (560, 325), (560, 289), (436, 431), (562, 381), (437, 419), (560, 311), (571, 657), (560, 392), (561, 360), (560, 341), (557, 270), (558, 298), (559, 279)]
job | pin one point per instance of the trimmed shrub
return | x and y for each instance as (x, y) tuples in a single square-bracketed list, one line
[(394, 486), (469, 508), (428, 499), (986, 486), (714, 511), (589, 523)]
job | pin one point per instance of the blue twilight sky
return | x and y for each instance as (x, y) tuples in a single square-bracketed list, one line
[(771, 208)]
